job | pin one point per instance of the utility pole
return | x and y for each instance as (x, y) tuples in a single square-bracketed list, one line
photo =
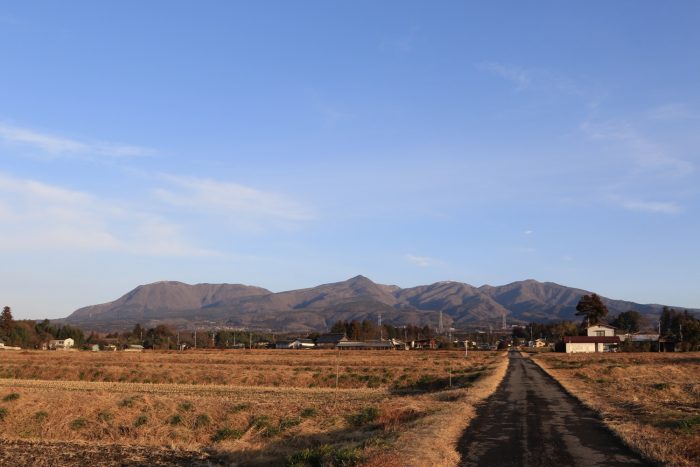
[(381, 337), (466, 346), (250, 339), (178, 340), (195, 338), (440, 328)]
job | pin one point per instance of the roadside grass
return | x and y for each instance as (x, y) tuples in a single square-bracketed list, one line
[(651, 400)]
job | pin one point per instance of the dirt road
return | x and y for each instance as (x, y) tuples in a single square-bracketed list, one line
[(531, 421)]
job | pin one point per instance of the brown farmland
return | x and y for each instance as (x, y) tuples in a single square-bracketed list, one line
[(239, 407), (651, 400)]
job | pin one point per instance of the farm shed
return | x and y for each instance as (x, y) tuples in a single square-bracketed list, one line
[(330, 341), (589, 344), (371, 345), (134, 348)]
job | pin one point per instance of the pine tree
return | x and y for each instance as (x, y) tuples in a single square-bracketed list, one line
[(6, 320), (592, 308)]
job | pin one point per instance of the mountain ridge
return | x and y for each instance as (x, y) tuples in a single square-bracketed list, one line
[(317, 308)]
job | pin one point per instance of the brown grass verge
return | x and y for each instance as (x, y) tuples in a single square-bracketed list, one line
[(433, 439), (651, 401)]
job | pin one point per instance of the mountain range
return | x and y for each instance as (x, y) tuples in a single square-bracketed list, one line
[(316, 309)]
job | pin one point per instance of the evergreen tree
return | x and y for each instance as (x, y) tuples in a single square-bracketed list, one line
[(592, 308), (6, 320)]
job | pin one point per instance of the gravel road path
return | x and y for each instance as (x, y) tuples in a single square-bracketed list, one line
[(531, 421)]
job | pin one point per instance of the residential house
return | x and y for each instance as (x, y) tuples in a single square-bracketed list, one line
[(61, 344), (600, 329), (134, 348), (424, 344), (295, 344)]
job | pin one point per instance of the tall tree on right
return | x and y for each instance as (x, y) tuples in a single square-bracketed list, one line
[(592, 308)]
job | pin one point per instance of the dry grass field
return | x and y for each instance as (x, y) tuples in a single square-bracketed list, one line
[(260, 407), (651, 400)]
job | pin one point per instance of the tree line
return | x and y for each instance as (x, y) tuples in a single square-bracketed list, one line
[(30, 334), (369, 330)]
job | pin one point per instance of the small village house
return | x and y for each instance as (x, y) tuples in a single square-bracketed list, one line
[(295, 344), (61, 344), (600, 338)]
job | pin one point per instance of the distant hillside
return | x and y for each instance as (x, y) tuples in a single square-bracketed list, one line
[(317, 308)]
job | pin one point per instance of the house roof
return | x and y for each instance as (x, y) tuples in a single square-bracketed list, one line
[(591, 339), (644, 337), (372, 344), (330, 338)]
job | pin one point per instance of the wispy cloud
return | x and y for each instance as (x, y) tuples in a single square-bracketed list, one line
[(58, 145), (528, 232), (655, 207), (520, 77), (645, 154), (37, 216), (240, 205), (421, 261)]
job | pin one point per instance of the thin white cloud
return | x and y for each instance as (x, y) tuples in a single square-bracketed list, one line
[(421, 261), (643, 152), (58, 145), (520, 77), (654, 207), (241, 205), (37, 217), (528, 232)]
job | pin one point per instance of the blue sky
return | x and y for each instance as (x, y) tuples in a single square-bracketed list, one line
[(287, 144)]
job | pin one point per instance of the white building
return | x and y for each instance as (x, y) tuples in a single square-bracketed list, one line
[(599, 338), (600, 330), (61, 344)]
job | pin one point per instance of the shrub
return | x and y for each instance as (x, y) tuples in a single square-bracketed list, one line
[(175, 419), (104, 416), (13, 396), (364, 416), (185, 407), (226, 433), (324, 455), (127, 402), (240, 407), (140, 420), (40, 416), (202, 420), (309, 412), (287, 423), (78, 424), (3, 413)]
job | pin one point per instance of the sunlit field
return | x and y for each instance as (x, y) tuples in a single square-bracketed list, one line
[(241, 407)]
